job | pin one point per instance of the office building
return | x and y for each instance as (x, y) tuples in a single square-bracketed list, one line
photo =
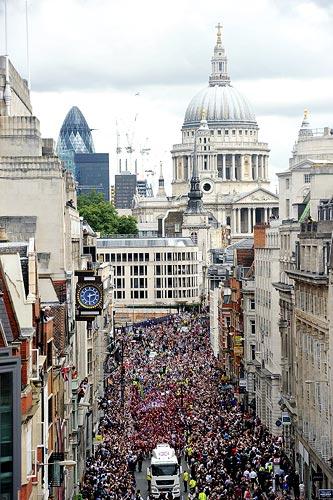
[(92, 173), (74, 137), (152, 275), (125, 189)]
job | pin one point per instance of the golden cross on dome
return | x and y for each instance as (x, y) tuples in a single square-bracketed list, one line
[(306, 114), (218, 27)]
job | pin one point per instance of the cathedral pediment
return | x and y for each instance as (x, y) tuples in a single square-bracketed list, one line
[(259, 194)]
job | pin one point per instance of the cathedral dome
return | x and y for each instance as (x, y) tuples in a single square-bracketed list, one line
[(223, 105)]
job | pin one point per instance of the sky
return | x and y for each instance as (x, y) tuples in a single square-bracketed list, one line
[(134, 66)]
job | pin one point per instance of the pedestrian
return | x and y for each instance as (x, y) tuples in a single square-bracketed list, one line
[(140, 460), (149, 478), (185, 479)]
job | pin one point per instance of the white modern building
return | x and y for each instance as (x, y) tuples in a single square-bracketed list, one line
[(268, 340), (151, 275)]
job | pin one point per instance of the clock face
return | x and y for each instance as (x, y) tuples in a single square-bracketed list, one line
[(89, 296)]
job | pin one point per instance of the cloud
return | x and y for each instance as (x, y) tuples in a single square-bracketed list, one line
[(99, 53), (95, 44)]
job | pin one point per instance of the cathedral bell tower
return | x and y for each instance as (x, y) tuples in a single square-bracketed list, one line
[(195, 218)]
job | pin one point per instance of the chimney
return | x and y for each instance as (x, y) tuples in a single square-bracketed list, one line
[(259, 235)]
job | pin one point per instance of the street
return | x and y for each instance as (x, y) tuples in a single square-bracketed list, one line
[(174, 393)]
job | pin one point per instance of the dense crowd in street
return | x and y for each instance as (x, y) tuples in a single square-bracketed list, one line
[(174, 394)]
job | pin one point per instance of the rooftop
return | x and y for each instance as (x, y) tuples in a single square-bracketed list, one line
[(144, 242)]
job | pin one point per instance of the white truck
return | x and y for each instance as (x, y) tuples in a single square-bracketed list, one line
[(165, 471)]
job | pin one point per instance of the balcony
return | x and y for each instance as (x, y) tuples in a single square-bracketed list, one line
[(309, 227)]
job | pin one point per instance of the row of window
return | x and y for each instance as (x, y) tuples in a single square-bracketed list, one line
[(263, 298), (124, 257), (173, 256), (310, 302), (226, 132), (176, 269), (183, 282), (134, 270), (176, 294), (263, 268)]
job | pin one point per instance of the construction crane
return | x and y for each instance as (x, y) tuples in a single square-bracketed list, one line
[(119, 149), (130, 138)]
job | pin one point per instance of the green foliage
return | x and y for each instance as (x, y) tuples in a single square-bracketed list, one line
[(103, 217)]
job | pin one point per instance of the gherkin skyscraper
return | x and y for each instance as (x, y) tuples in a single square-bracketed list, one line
[(75, 137)]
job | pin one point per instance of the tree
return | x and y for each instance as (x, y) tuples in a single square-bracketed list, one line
[(103, 217)]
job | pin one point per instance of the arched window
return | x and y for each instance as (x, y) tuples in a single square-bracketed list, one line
[(194, 237)]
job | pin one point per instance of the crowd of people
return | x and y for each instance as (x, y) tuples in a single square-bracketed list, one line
[(174, 393)]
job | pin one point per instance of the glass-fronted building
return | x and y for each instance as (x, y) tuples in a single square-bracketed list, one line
[(125, 189), (75, 137), (92, 173)]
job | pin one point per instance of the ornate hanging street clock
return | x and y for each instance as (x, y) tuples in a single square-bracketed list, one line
[(89, 295)]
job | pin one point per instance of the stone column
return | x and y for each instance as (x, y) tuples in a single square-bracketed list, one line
[(233, 221), (256, 167), (265, 158), (240, 168), (174, 169), (223, 166), (239, 220), (249, 216), (233, 168)]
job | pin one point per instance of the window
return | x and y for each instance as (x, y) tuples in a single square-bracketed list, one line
[(252, 304), (287, 183), (253, 352), (253, 326), (307, 178), (287, 208), (194, 238), (219, 132), (226, 132), (89, 361)]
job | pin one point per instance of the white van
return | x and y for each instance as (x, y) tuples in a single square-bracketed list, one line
[(165, 471)]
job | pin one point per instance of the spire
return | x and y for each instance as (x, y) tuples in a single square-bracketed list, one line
[(219, 74), (305, 131), (194, 204), (161, 190)]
